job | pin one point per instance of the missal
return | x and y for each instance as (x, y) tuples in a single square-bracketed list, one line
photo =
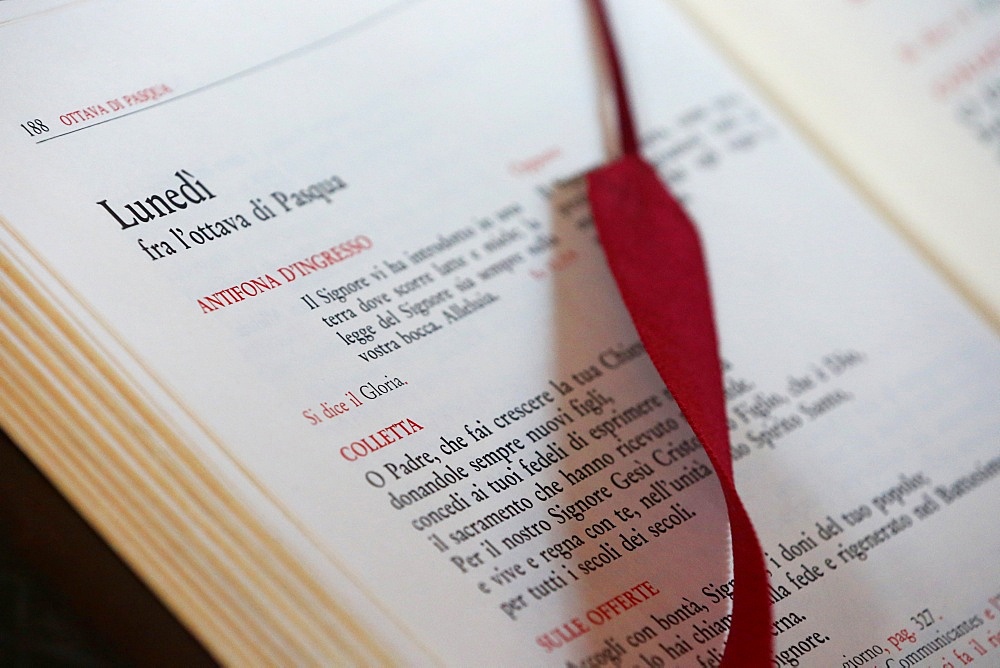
[(305, 311)]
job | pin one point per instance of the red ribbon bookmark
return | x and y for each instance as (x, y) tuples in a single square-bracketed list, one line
[(656, 258)]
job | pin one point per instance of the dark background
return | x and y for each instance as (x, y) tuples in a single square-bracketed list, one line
[(66, 599)]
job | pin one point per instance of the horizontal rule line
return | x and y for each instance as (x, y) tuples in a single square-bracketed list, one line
[(294, 53)]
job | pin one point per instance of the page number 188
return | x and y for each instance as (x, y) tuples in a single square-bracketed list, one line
[(35, 127)]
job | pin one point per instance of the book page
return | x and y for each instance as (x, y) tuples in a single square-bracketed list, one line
[(350, 242), (905, 96), (16, 10)]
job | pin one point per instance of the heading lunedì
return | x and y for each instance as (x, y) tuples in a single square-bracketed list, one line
[(189, 193)]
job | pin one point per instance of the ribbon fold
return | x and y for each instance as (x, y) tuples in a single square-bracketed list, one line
[(656, 258)]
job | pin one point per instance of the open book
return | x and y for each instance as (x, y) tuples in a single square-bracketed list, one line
[(304, 310)]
